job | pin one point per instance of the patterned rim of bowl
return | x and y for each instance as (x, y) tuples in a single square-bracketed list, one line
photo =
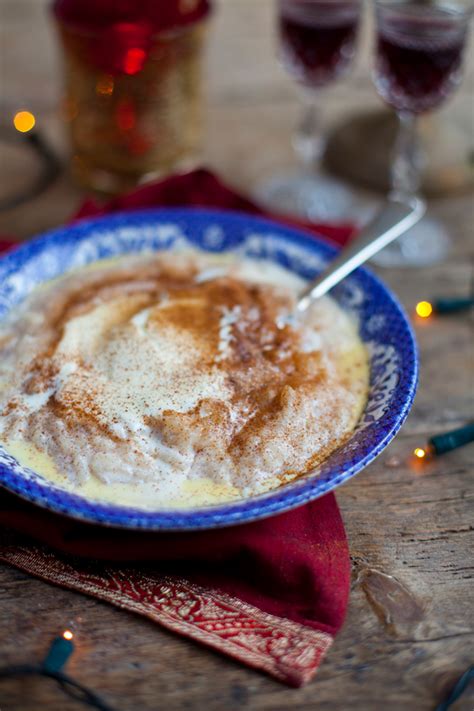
[(384, 328)]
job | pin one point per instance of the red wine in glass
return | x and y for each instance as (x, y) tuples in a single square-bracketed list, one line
[(317, 38), (316, 42), (418, 64), (419, 57)]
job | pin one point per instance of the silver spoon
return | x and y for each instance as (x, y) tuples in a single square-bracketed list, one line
[(393, 220)]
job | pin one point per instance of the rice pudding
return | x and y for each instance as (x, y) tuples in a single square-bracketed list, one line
[(177, 380)]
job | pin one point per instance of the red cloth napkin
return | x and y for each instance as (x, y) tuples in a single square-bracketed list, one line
[(201, 188), (6, 244), (271, 593)]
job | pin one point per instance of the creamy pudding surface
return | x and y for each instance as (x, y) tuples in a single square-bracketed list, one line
[(177, 379)]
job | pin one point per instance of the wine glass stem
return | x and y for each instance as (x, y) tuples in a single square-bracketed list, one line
[(308, 140), (405, 174)]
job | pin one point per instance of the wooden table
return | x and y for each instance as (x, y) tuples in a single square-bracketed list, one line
[(408, 633)]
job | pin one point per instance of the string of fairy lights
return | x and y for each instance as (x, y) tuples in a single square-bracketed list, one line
[(447, 441), (62, 647), (59, 652)]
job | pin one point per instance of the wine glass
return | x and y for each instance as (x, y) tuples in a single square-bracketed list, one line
[(317, 41), (418, 65)]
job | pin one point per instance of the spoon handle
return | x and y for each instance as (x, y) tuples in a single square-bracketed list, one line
[(393, 220)]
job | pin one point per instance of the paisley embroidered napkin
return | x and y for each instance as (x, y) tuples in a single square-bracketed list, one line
[(271, 594)]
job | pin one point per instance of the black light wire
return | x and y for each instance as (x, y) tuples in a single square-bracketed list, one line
[(70, 686), (49, 162)]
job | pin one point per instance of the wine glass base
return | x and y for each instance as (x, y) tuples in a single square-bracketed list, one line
[(317, 198), (425, 243)]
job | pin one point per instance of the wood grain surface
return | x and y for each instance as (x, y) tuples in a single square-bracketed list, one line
[(409, 631)]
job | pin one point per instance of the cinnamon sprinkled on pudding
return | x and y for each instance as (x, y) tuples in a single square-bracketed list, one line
[(167, 375)]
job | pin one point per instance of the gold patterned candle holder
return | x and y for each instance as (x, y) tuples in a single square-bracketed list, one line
[(138, 123)]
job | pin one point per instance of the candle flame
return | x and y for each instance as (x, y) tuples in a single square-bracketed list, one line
[(24, 121), (67, 634), (424, 309), (105, 85), (134, 60)]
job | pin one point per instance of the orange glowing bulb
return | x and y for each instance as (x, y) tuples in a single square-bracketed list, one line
[(67, 634), (419, 452), (24, 121), (424, 309)]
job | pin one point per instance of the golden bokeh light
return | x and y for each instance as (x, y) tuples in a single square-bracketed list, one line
[(24, 121), (419, 452), (424, 309)]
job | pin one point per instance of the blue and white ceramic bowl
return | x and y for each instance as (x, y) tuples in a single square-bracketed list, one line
[(383, 326)]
